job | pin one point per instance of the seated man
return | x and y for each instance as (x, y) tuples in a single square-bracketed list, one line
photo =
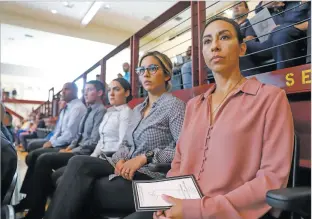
[(186, 69), (236, 139), (32, 133), (83, 144), (288, 29), (25, 125), (240, 15), (64, 134)]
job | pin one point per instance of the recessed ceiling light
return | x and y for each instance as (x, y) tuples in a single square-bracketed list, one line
[(178, 18), (68, 4), (107, 6), (54, 11), (147, 18), (28, 35)]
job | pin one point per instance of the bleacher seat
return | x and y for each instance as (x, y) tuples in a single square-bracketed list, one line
[(296, 200)]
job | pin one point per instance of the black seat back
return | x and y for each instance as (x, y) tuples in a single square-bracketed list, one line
[(9, 194), (293, 175)]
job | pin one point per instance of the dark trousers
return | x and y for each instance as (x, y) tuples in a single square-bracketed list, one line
[(280, 53), (31, 160), (85, 184), (57, 176), (23, 139), (36, 144), (42, 184)]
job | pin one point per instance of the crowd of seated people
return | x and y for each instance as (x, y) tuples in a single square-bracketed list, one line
[(31, 133), (292, 25), (89, 140), (284, 14), (236, 139)]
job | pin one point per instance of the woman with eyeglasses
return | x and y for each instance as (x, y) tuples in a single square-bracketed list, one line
[(151, 138)]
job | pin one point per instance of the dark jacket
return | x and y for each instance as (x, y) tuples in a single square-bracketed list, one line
[(8, 163)]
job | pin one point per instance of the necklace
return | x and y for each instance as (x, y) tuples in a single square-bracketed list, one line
[(227, 95)]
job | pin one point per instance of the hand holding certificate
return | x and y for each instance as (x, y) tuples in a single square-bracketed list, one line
[(148, 195)]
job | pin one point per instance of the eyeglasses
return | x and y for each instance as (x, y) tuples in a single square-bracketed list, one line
[(152, 69)]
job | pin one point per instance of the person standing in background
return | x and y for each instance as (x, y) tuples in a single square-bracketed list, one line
[(126, 69)]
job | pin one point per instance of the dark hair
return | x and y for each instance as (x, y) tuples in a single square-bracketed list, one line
[(98, 85), (9, 115), (230, 21), (126, 86), (245, 3), (41, 115), (165, 63)]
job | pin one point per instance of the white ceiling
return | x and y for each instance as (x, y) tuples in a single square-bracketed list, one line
[(122, 15), (49, 59), (58, 48), (33, 48), (76, 11)]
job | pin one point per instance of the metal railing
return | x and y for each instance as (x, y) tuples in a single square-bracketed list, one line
[(153, 36)]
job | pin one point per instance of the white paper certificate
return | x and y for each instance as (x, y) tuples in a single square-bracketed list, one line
[(262, 23), (148, 194)]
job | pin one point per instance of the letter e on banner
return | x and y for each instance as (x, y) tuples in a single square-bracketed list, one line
[(306, 76)]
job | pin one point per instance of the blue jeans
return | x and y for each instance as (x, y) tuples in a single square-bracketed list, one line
[(186, 72)]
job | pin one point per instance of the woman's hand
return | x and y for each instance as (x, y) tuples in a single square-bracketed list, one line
[(131, 166), (175, 212), (119, 166), (66, 150)]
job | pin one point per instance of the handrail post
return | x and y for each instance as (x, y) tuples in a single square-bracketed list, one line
[(103, 78), (201, 15), (134, 49), (84, 78), (195, 48), (103, 71)]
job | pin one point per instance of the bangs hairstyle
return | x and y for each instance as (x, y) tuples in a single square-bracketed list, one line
[(230, 21), (165, 64)]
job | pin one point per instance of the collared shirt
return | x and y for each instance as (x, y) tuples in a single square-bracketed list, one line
[(246, 29), (127, 76), (113, 129), (246, 152), (90, 135), (157, 132), (68, 124)]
